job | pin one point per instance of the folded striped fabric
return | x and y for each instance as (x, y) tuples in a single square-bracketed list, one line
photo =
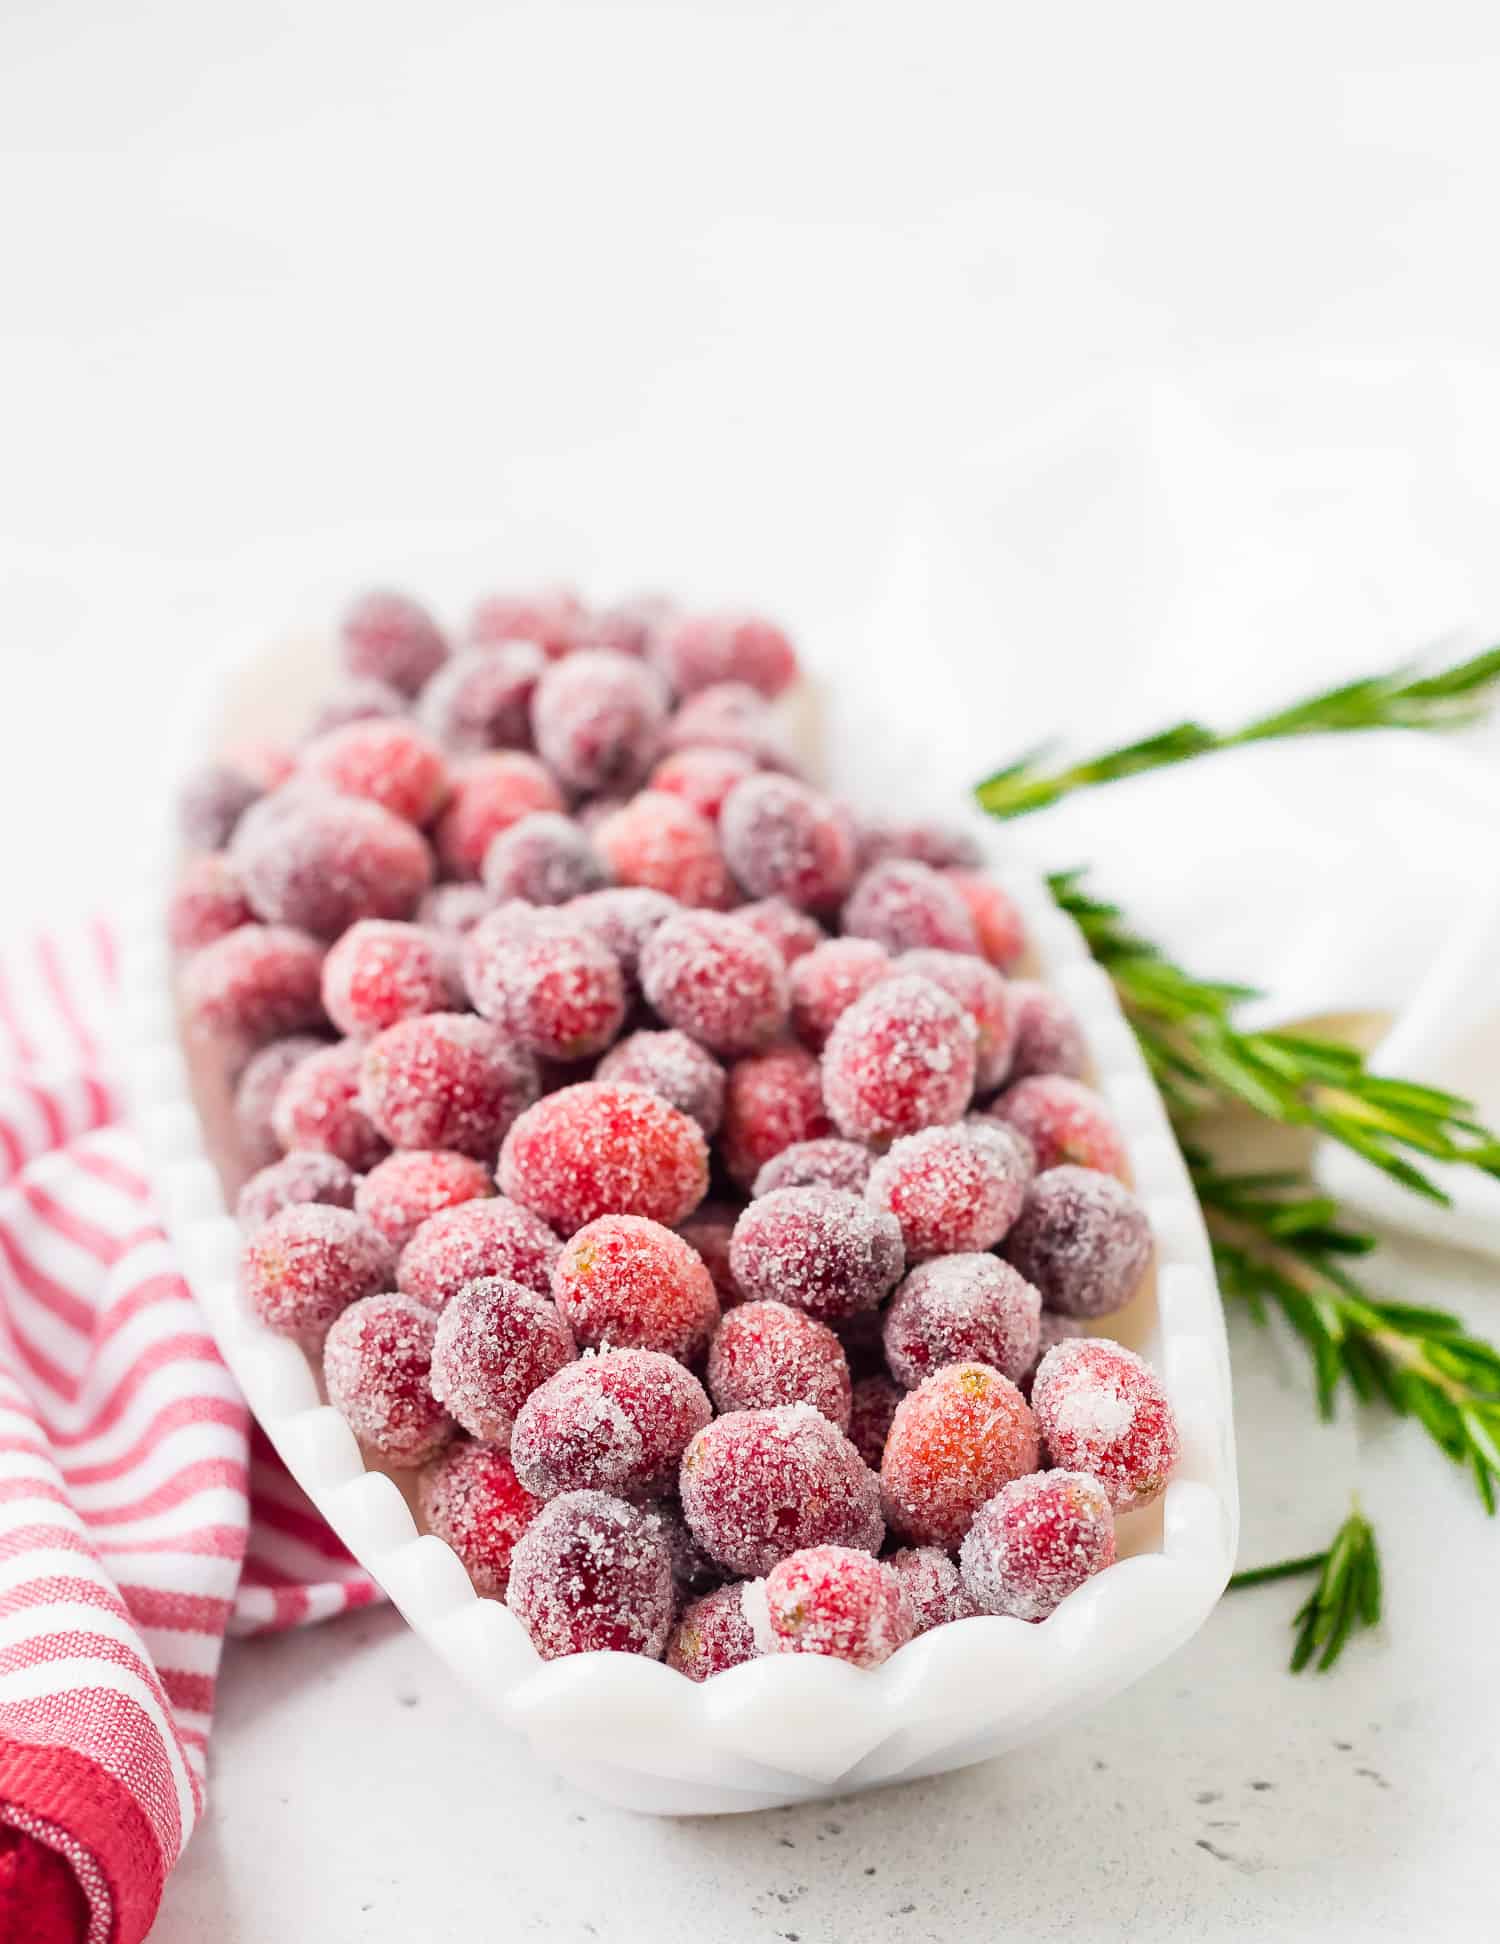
[(141, 1516)]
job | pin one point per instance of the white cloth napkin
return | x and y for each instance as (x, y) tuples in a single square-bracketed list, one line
[(1213, 546)]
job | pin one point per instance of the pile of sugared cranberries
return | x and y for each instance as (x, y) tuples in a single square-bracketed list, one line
[(535, 938)]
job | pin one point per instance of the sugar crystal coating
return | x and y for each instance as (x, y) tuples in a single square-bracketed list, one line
[(1036, 1541), (551, 618), (757, 1485), (624, 916), (386, 762), (453, 910), (1048, 1037), (596, 1149), (629, 626), (697, 651), (470, 1497), (545, 858), (1102, 1409), (824, 1163), (392, 638), (208, 902), (255, 1096), (767, 1353), (401, 1192), (659, 842), (362, 698), (952, 1189), (255, 984), (490, 793), (823, 1251), (772, 1101), (597, 718), (319, 1107), (838, 1601), (306, 1176), (794, 933), (382, 971), (940, 846), (211, 803), (1065, 1121), (552, 983), (872, 1406), (962, 1309), (985, 996), (318, 861), (909, 907), (702, 777), (617, 1421), (713, 1634), (475, 1239), (900, 1059), (592, 1573), (716, 979), (377, 1358), (783, 840), (825, 983), (496, 1341), (674, 1066), (481, 699), (731, 715), (304, 1265), (933, 1586), (446, 1080), (1083, 1239), (955, 1440), (624, 1280), (997, 920), (708, 1232)]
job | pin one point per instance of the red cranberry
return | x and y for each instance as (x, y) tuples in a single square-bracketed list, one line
[(702, 649), (837, 1601), (392, 638), (401, 1192), (900, 1059), (471, 1498), (256, 984), (211, 804), (952, 1189), (255, 1097), (598, 718), (997, 919), (672, 1065), (320, 861), (660, 843), (955, 1440), (553, 618), (482, 699), (872, 1406), (306, 1176), (384, 762), (306, 1264), (618, 1422), (824, 1252), (772, 1101), (622, 1279), (962, 1309), (783, 840), (381, 972), (1049, 1038), (593, 1149), (497, 1342), (1064, 1121), (377, 1358), (459, 1245), (933, 1586), (985, 996), (712, 1635), (1038, 1539), (825, 984), (544, 859), (767, 1353), (208, 903), (825, 1163), (909, 907), (702, 777), (1083, 1239), (592, 1574), (319, 1107), (1102, 1409), (716, 979), (446, 1080), (731, 715), (490, 793)]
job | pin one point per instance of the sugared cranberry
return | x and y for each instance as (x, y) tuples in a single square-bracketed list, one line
[(700, 650), (1036, 1541), (628, 626), (708, 1232), (955, 1440), (550, 982), (209, 902), (702, 777), (594, 1149), (552, 618), (475, 1239), (825, 1163), (1065, 1121), (624, 916), (933, 1586), (597, 718), (772, 1101), (544, 859), (455, 909), (306, 1176), (837, 1601), (255, 1097), (783, 840), (872, 1406), (716, 979), (481, 700), (254, 985), (909, 907), (900, 1059), (962, 1309), (617, 1422), (381, 972), (952, 1189), (446, 1080), (674, 1066), (377, 1358), (384, 762), (940, 846), (712, 1635), (825, 984), (490, 793), (471, 1498), (794, 933), (985, 996), (731, 715), (658, 842), (1083, 1239), (211, 804), (997, 920), (592, 1574), (309, 1262), (319, 1107), (1049, 1038), (496, 1342), (404, 1190), (767, 1353), (362, 698), (825, 1252), (392, 638), (320, 861), (758, 1485), (622, 1279), (1102, 1409)]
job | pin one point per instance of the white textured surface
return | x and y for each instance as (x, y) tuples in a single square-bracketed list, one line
[(777, 1729)]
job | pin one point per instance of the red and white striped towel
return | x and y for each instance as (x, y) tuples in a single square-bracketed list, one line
[(140, 1515)]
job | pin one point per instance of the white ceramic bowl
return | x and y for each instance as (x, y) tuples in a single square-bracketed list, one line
[(777, 1730)]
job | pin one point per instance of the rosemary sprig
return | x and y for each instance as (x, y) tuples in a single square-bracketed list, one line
[(1449, 699), (1345, 1599), (1200, 1058)]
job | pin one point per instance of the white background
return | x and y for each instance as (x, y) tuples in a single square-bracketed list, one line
[(720, 293)]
